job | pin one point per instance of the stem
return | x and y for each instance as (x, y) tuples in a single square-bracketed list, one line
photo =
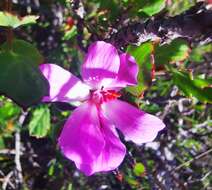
[(8, 5), (9, 37), (193, 159), (8, 8), (18, 168)]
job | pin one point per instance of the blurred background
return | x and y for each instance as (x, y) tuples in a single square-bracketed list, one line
[(180, 157)]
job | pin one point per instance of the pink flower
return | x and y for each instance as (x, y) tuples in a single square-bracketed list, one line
[(89, 137)]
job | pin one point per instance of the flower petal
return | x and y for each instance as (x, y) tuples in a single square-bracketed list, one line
[(64, 86), (112, 154), (101, 64), (136, 125), (81, 139), (128, 71)]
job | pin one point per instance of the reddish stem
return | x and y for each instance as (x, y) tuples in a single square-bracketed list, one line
[(8, 8)]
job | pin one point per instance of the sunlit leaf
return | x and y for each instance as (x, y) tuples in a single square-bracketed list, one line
[(190, 87), (8, 110), (142, 55), (177, 7), (197, 54), (177, 50), (2, 144), (151, 7), (70, 33), (132, 182), (13, 21), (52, 166), (40, 122), (139, 169), (20, 78)]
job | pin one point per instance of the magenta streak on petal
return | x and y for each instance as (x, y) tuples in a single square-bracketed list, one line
[(81, 139), (112, 153), (136, 125), (64, 86), (101, 64), (127, 74), (128, 70)]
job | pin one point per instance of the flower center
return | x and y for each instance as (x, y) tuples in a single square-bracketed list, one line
[(101, 96)]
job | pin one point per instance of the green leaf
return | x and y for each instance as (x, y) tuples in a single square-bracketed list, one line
[(201, 82), (40, 122), (197, 54), (2, 143), (20, 77), (177, 50), (52, 166), (139, 169), (8, 110), (112, 6), (71, 33), (131, 181), (179, 6), (191, 86), (70, 187), (151, 7), (24, 49), (13, 21), (142, 55)]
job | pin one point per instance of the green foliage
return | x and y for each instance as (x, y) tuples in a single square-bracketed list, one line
[(8, 110), (176, 51), (142, 55), (20, 78), (40, 122), (193, 86), (70, 33), (192, 143), (13, 21), (139, 169), (179, 6), (197, 54), (111, 6), (151, 7)]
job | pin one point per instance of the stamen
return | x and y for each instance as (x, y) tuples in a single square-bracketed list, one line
[(100, 96), (110, 95)]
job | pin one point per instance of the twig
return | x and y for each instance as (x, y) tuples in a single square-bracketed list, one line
[(168, 108), (9, 33), (193, 24), (9, 5), (7, 181), (193, 159), (7, 151), (18, 169)]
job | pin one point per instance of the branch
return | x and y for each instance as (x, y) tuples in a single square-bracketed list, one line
[(193, 159), (18, 168), (7, 181), (194, 24), (7, 151)]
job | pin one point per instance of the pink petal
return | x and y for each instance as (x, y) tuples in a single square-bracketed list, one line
[(128, 71), (101, 64), (81, 139), (136, 125), (112, 154), (64, 86)]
